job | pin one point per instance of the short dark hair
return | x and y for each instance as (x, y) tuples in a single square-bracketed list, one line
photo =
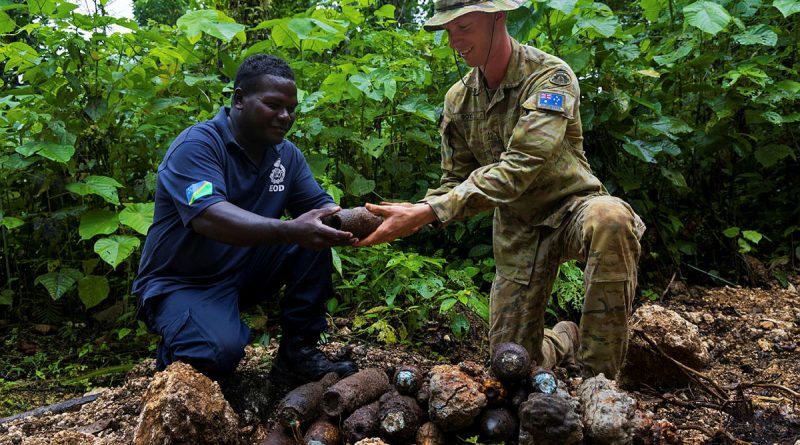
[(259, 65)]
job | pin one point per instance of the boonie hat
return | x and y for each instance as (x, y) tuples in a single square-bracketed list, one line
[(448, 10)]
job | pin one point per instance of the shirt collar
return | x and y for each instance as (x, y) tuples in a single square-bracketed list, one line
[(223, 127), (513, 76)]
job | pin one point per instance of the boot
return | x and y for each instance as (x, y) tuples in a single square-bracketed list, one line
[(299, 358), (570, 336)]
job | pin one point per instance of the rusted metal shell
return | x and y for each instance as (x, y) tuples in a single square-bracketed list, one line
[(359, 221), (511, 362), (354, 391), (303, 405)]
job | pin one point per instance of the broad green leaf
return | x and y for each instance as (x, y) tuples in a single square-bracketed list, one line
[(20, 56), (787, 7), (59, 282), (9, 222), (337, 261), (672, 57), (565, 6), (744, 246), (447, 304), (92, 290), (41, 7), (102, 186), (7, 24), (707, 16), (419, 106), (606, 26), (138, 216), (98, 222), (374, 146), (212, 22), (675, 177), (385, 11), (6, 297), (50, 150), (652, 9), (731, 232), (360, 186), (770, 155), (669, 126), (752, 236), (459, 325), (757, 35), (647, 151), (115, 249)]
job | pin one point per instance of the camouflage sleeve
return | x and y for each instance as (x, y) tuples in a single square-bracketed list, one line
[(537, 138), (457, 160)]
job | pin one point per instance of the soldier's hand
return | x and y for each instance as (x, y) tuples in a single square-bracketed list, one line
[(308, 231), (399, 220)]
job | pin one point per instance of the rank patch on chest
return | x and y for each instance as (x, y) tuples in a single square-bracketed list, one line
[(550, 101)]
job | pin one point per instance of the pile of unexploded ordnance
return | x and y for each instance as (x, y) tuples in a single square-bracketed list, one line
[(515, 401)]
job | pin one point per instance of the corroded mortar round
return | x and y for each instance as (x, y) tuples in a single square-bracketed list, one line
[(359, 221)]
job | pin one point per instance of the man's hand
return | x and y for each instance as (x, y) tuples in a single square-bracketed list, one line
[(308, 231), (399, 220)]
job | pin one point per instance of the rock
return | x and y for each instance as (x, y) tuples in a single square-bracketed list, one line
[(63, 438), (182, 406), (764, 345), (455, 399), (371, 441), (550, 419), (674, 335), (608, 413)]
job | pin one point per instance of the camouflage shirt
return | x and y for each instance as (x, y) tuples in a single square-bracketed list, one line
[(519, 151)]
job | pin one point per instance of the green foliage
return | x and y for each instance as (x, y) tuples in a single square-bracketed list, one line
[(164, 12), (566, 297), (394, 292)]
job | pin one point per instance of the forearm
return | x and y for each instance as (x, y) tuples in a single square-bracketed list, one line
[(230, 224)]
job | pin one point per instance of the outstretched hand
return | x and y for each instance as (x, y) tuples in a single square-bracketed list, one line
[(399, 220), (308, 231)]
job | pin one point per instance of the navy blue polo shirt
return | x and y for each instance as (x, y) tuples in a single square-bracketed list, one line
[(203, 166)]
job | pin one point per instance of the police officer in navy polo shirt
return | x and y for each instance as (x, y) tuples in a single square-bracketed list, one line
[(217, 243)]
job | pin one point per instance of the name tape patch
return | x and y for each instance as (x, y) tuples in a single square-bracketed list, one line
[(550, 101), (198, 191)]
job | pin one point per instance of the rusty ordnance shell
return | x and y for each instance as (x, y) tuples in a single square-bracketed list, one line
[(278, 436), (407, 380), (550, 419), (455, 399), (424, 395), (430, 434), (359, 221), (322, 432), (354, 391), (363, 423), (498, 424), (543, 380), (303, 405), (400, 417), (511, 362), (518, 395), (494, 390)]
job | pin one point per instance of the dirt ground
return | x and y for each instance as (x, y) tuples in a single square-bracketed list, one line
[(752, 336)]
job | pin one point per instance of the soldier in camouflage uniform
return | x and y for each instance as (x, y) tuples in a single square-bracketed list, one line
[(512, 142)]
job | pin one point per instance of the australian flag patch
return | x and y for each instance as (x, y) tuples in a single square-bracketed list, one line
[(550, 101)]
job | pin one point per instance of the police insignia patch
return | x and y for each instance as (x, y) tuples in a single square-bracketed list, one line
[(561, 78), (550, 101)]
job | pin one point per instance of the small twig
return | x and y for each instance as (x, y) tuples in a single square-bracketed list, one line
[(713, 434), (666, 289), (746, 385), (712, 275)]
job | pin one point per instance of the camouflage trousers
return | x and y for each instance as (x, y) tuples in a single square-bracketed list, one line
[(603, 232)]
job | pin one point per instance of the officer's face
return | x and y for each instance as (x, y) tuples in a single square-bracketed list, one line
[(471, 35), (267, 109)]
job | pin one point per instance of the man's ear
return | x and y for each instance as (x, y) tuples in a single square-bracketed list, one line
[(499, 15), (238, 98)]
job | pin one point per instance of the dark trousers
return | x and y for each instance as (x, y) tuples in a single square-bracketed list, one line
[(202, 325)]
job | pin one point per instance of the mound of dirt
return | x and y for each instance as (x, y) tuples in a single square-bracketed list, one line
[(748, 394)]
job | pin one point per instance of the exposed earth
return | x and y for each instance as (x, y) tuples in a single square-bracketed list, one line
[(752, 336)]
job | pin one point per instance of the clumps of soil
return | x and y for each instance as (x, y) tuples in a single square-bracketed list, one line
[(750, 335)]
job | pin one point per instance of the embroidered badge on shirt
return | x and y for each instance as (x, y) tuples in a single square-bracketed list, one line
[(276, 176), (561, 78), (550, 101), (198, 191)]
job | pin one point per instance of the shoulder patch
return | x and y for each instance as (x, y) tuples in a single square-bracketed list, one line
[(550, 101), (561, 78), (198, 191)]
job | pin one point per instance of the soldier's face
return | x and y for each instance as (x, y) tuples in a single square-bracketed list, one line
[(471, 35)]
